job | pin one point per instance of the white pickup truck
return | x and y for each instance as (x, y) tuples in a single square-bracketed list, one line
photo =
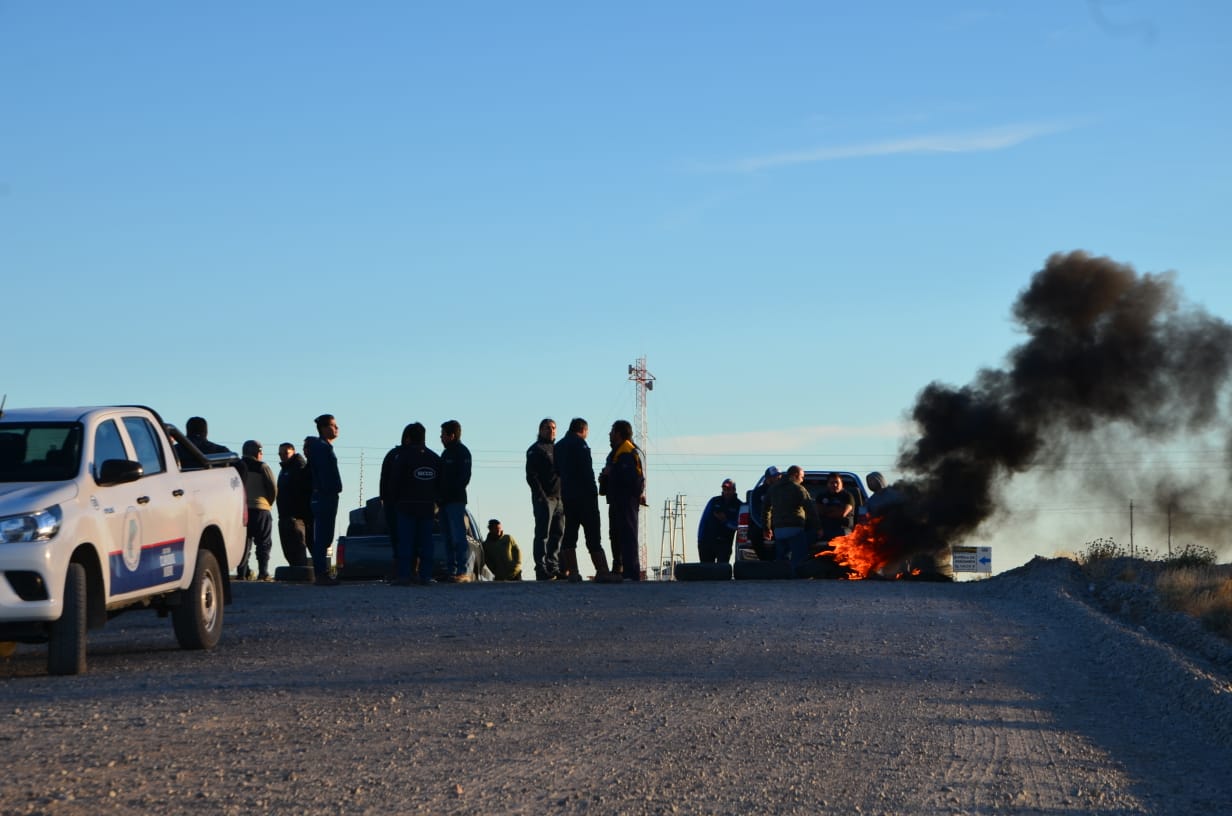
[(101, 513)]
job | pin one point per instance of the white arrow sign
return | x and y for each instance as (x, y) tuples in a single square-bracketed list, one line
[(972, 559)]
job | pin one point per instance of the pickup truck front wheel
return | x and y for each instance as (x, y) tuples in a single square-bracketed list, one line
[(66, 646), (198, 619)]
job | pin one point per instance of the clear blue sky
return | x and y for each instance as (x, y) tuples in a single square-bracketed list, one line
[(800, 212)]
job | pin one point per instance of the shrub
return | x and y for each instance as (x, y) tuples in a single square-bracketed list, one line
[(1101, 549), (1191, 555), (1188, 581)]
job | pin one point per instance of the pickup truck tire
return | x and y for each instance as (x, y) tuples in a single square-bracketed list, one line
[(66, 646), (198, 619)]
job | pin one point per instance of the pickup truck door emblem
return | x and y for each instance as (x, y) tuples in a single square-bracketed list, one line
[(132, 540)]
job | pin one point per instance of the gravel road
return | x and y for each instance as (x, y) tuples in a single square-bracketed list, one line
[(1012, 695)]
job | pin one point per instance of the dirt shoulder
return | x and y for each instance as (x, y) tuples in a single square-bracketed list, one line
[(1008, 695)]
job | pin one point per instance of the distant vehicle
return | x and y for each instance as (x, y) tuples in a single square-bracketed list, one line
[(815, 483), (99, 514), (366, 553)]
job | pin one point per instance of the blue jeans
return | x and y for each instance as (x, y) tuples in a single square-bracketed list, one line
[(414, 541), (549, 528), (794, 544), (324, 515), (457, 550)]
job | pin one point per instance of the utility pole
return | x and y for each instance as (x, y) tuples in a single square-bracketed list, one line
[(645, 382), (673, 533), (1169, 529), (1131, 529)]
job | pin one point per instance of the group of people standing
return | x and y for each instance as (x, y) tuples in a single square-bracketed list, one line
[(305, 493), (415, 481), (416, 484), (786, 522), (565, 502), (799, 525)]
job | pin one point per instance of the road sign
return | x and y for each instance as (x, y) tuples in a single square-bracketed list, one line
[(972, 559)]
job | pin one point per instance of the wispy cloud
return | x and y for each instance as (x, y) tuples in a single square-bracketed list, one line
[(780, 440), (979, 141)]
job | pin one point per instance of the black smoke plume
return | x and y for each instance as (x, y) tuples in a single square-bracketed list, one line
[(1113, 362)]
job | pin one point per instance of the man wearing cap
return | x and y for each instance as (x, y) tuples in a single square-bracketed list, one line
[(262, 491), (757, 506), (501, 554), (718, 526)]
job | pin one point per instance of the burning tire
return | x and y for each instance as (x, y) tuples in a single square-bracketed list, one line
[(824, 568), (762, 570)]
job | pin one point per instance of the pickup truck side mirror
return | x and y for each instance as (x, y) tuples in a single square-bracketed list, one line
[(119, 471)]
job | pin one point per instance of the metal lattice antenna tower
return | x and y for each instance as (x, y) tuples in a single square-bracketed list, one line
[(645, 382)]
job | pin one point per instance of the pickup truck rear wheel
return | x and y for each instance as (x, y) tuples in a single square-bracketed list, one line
[(66, 646), (198, 619)]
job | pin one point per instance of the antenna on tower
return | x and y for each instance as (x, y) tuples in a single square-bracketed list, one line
[(645, 382)]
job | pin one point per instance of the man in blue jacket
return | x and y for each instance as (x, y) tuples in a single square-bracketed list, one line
[(717, 530)]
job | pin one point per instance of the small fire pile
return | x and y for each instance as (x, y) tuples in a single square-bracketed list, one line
[(863, 551), (886, 547)]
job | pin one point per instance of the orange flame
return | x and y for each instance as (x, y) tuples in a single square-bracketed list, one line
[(863, 551)]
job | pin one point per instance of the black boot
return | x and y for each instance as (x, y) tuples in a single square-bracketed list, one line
[(602, 574)]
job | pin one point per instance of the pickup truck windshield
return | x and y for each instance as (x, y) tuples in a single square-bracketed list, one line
[(39, 451)]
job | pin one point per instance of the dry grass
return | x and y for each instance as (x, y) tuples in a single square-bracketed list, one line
[(1204, 593), (1189, 581)]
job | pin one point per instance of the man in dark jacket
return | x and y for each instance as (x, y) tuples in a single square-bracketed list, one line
[(294, 494), (580, 497), (326, 485), (197, 430), (455, 475), (757, 504), (262, 491), (623, 481), (545, 502), (386, 491), (717, 530), (836, 507), (412, 490)]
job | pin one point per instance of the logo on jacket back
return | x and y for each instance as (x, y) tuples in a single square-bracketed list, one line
[(425, 474)]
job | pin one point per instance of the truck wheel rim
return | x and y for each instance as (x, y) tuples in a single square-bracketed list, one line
[(208, 600)]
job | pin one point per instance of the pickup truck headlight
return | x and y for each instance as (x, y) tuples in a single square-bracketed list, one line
[(40, 526)]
